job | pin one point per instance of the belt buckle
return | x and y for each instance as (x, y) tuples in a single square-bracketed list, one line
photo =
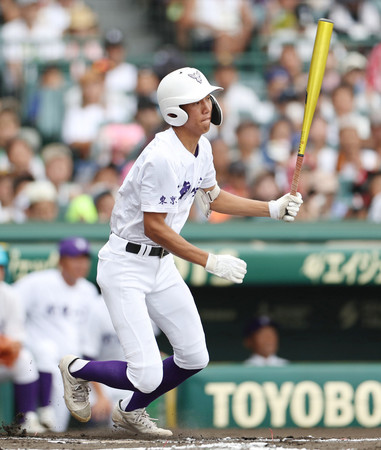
[(162, 251)]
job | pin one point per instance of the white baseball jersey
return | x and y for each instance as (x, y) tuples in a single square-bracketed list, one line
[(55, 311), (11, 313), (164, 179)]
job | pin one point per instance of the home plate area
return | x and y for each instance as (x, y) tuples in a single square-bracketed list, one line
[(213, 439)]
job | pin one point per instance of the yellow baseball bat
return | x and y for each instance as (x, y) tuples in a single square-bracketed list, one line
[(315, 79)]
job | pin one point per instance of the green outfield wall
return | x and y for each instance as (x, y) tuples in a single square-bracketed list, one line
[(297, 395)]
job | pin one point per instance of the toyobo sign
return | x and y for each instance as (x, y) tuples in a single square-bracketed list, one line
[(324, 395)]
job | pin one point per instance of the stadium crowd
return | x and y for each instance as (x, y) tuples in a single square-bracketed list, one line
[(75, 111)]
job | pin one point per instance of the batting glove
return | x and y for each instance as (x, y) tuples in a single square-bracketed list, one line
[(226, 266), (285, 208)]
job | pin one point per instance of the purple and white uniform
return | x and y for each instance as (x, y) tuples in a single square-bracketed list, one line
[(139, 287)]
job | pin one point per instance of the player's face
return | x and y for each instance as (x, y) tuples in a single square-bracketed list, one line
[(74, 267), (199, 116)]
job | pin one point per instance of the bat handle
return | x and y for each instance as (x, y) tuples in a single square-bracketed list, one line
[(296, 176)]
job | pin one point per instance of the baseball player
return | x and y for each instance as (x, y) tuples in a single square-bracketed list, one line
[(136, 270), (56, 302), (16, 362)]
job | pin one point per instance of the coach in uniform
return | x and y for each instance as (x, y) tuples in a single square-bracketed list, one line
[(136, 270), (56, 302)]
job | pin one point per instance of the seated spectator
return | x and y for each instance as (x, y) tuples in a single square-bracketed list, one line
[(57, 302), (58, 161), (43, 105), (224, 27), (353, 166), (147, 83), (21, 159), (9, 128), (291, 61), (356, 19), (248, 150), (265, 187), (261, 338), (25, 38), (16, 362), (278, 150), (42, 201), (239, 102), (122, 77), (83, 39), (82, 121)]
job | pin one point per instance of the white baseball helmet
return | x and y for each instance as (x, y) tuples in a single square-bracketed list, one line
[(181, 87)]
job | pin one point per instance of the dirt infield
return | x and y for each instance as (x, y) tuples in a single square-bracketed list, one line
[(234, 439)]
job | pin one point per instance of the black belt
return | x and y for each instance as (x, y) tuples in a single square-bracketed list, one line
[(155, 251)]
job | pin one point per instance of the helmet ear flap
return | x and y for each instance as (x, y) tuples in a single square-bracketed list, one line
[(175, 116), (217, 116)]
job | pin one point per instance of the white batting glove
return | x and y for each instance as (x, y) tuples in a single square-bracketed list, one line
[(285, 208), (226, 266)]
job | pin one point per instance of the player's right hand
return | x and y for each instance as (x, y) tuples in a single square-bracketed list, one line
[(226, 266), (285, 208)]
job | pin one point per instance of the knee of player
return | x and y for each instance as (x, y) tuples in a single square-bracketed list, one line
[(192, 360), (147, 378)]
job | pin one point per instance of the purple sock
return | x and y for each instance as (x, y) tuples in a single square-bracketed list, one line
[(173, 376), (25, 396), (45, 388), (111, 373)]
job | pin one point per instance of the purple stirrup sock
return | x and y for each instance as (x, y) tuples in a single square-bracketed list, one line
[(173, 375), (25, 396), (45, 388), (111, 373)]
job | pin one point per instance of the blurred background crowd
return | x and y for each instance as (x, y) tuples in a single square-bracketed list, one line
[(78, 100)]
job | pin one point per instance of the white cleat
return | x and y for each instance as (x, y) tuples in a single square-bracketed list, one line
[(47, 417), (138, 423), (31, 424), (76, 391)]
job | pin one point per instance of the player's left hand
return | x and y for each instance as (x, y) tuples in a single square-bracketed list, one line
[(286, 208)]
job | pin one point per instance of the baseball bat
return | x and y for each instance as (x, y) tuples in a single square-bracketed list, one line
[(315, 79)]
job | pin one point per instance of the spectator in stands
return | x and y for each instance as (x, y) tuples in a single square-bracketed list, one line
[(147, 83), (344, 111), (278, 150), (261, 338), (122, 77), (16, 362), (353, 166), (82, 121), (42, 202), (84, 43), (25, 38), (222, 26), (58, 161), (239, 102), (248, 149), (356, 19), (264, 187), (9, 128), (57, 13), (21, 159), (291, 61), (43, 104), (57, 302), (373, 69)]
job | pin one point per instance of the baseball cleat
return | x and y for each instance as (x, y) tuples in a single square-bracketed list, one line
[(138, 423), (76, 391), (31, 424)]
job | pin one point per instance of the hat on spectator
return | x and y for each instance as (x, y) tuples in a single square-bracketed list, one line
[(82, 17), (113, 37), (55, 150), (354, 61), (74, 246), (40, 191), (256, 324)]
